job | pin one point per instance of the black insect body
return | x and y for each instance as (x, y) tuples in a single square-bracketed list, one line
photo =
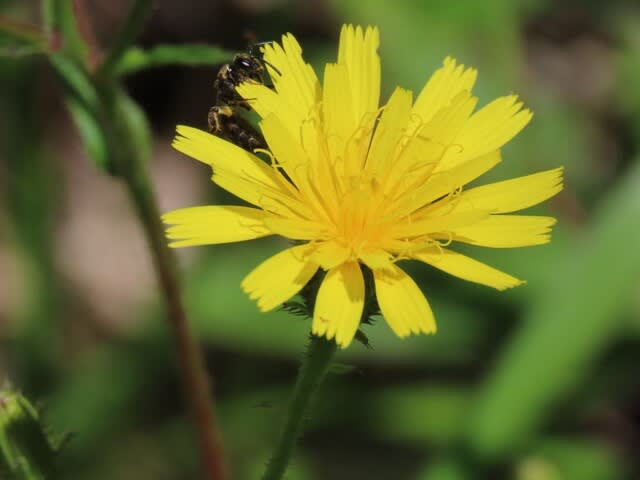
[(225, 118), (244, 68), (226, 122)]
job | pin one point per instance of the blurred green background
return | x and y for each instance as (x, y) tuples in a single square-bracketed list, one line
[(538, 383)]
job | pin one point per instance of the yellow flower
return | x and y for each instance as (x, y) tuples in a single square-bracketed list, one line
[(357, 185)]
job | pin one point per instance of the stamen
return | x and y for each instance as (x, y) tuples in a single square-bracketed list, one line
[(327, 212), (446, 243), (268, 153), (263, 202), (440, 250), (309, 120), (253, 227), (418, 119), (267, 186), (301, 255)]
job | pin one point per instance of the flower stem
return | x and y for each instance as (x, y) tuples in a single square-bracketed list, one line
[(128, 146), (192, 366), (128, 156), (313, 370)]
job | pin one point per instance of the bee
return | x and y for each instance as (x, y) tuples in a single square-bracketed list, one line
[(225, 119), (226, 122)]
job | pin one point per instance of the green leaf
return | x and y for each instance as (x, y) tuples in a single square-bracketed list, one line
[(576, 317), (136, 59), (76, 81), (90, 132), (136, 124), (60, 16), (85, 106)]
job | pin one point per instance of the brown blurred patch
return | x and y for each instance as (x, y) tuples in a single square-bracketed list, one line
[(100, 247)]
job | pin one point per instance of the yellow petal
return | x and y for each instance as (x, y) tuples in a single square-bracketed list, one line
[(428, 145), (280, 277), (488, 129), (376, 259), (445, 126), (330, 254), (339, 304), (297, 89), (506, 231), (515, 194), (425, 147), (292, 157), (234, 169), (446, 82), (285, 148), (213, 225), (338, 122), (390, 128), (265, 102), (358, 52), (440, 223), (466, 268), (443, 183), (402, 303), (295, 229), (296, 83)]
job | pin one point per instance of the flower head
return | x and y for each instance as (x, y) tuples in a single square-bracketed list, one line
[(359, 186)]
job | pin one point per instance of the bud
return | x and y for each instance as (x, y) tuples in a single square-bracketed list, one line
[(25, 450)]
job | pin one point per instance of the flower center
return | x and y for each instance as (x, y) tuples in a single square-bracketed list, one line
[(358, 226)]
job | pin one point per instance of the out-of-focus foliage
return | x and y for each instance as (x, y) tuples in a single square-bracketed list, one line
[(537, 383), (136, 59), (511, 406), (26, 452)]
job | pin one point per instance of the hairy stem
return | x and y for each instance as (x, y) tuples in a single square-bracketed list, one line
[(312, 373)]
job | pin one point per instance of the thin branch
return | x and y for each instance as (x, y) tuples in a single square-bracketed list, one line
[(85, 28), (196, 383), (132, 28), (23, 31)]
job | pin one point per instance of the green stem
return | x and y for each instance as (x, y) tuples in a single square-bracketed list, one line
[(130, 159), (126, 132), (312, 373), (191, 362), (135, 21)]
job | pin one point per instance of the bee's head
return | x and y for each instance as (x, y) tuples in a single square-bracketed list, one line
[(257, 51), (248, 63)]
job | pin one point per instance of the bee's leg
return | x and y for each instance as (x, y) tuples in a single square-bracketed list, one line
[(213, 121), (217, 118)]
